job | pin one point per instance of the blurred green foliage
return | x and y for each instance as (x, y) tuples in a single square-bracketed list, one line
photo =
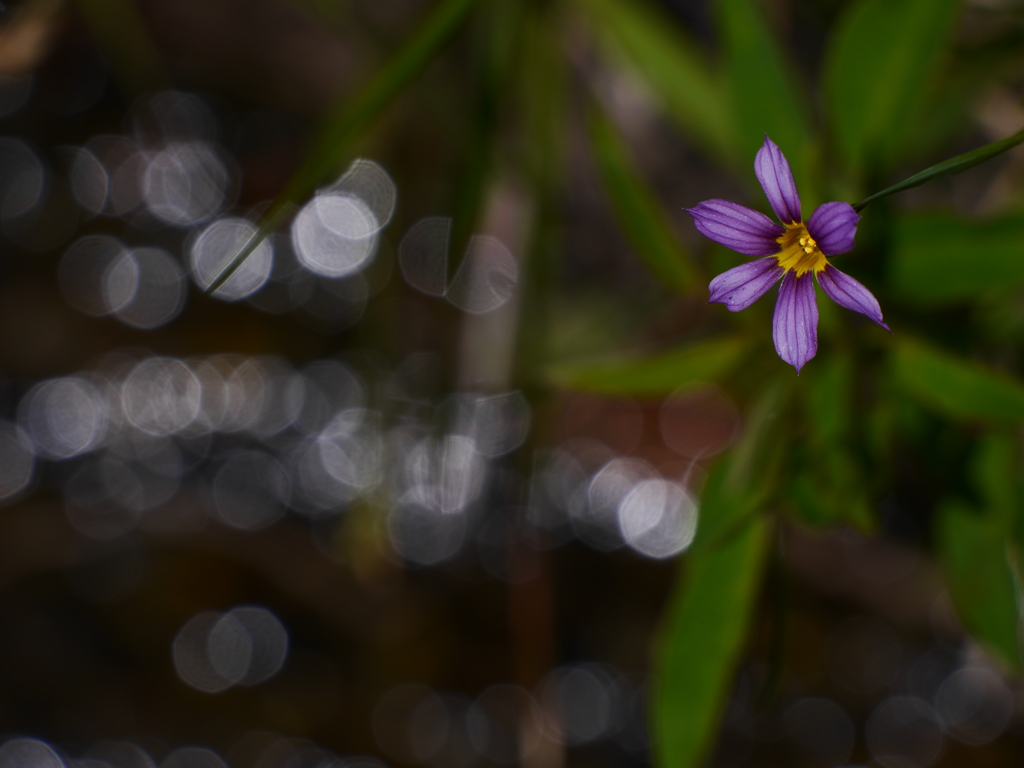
[(703, 636), (352, 117), (938, 259), (957, 388), (655, 376), (673, 65), (765, 96), (637, 210), (879, 68), (881, 78), (709, 615), (974, 551)]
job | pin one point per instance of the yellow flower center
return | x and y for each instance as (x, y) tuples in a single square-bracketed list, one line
[(799, 251)]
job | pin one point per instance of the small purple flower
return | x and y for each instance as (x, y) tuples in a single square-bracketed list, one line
[(791, 252)]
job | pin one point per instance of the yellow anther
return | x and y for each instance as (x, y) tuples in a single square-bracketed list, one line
[(799, 251), (807, 243)]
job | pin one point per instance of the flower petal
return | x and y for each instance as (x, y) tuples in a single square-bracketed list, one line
[(795, 326), (772, 169), (735, 226), (833, 227), (743, 285), (847, 292)]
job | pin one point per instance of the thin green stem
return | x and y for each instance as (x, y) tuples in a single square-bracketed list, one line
[(348, 120), (949, 167)]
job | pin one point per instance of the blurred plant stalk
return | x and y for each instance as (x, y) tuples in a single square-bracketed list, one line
[(27, 35)]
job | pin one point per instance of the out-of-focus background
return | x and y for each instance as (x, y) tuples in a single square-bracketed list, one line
[(414, 485)]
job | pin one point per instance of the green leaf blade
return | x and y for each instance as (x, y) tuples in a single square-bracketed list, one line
[(828, 485), (764, 88), (121, 33), (637, 210), (707, 623), (973, 549), (673, 66), (654, 376), (708, 617), (957, 388), (935, 257), (993, 474), (878, 61)]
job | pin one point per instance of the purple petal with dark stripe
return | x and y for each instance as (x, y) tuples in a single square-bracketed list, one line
[(847, 292), (743, 285), (738, 227), (833, 227), (795, 326), (772, 169)]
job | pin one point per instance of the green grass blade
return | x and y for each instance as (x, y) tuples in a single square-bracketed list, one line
[(348, 120), (637, 210), (950, 167)]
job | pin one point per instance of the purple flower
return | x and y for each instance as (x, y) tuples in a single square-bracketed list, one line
[(791, 252)]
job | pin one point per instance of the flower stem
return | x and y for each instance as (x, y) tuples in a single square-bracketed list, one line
[(949, 167)]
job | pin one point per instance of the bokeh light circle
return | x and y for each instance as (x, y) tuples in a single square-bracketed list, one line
[(185, 183), (904, 732), (64, 417), (975, 705), (658, 518), (17, 460), (29, 753), (161, 396), (251, 490), (217, 246), (145, 288), (335, 234)]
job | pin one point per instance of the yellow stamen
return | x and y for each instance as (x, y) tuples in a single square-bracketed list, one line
[(799, 251)]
